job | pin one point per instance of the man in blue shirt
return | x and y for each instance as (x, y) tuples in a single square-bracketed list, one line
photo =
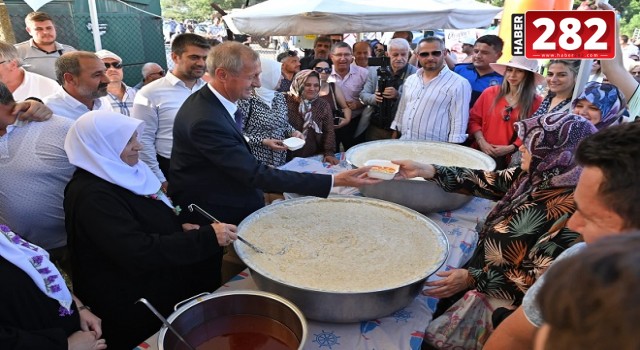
[(487, 49)]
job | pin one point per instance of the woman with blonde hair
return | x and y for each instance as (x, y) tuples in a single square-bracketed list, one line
[(493, 115)]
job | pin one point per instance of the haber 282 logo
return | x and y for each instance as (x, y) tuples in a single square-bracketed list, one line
[(564, 34)]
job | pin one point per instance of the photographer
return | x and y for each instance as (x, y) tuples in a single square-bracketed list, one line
[(381, 91)]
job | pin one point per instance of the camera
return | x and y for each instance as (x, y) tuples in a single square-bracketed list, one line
[(336, 121), (385, 80)]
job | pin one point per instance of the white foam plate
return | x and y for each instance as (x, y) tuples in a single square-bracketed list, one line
[(293, 143)]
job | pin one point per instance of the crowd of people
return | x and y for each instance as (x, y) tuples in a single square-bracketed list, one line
[(107, 168)]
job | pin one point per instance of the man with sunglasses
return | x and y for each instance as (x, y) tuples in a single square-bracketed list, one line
[(290, 66), (151, 71), (157, 103), (84, 82), (119, 95), (435, 101)]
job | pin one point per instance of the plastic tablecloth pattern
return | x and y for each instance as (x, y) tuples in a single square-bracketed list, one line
[(404, 329)]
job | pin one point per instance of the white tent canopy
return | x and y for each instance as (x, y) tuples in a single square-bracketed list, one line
[(287, 17)]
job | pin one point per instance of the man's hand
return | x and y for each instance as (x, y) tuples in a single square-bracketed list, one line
[(353, 105), (354, 178), (225, 233), (274, 144), (85, 340), (31, 110), (390, 93)]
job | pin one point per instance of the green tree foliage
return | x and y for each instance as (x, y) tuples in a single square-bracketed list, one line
[(195, 9)]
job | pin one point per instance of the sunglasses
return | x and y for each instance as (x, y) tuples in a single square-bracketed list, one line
[(320, 70), (432, 53), (116, 65), (507, 113)]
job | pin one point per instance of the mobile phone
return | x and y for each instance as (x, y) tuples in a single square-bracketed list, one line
[(336, 121)]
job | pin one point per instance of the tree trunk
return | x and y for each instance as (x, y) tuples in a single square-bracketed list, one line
[(6, 30)]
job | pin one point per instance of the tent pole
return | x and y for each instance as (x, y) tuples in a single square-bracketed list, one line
[(93, 13)]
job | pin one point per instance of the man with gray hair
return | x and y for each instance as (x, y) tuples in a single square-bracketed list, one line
[(20, 82), (384, 99), (34, 171), (83, 79), (39, 53), (151, 71), (211, 162)]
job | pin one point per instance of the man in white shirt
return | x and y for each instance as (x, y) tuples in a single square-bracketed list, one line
[(119, 95), (22, 83), (84, 81), (39, 53), (158, 102), (435, 102)]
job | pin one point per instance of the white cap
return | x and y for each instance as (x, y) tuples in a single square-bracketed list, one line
[(102, 54)]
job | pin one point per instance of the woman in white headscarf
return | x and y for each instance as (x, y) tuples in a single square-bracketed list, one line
[(312, 116), (38, 310), (266, 123), (125, 239)]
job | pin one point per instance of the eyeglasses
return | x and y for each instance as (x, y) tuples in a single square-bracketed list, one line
[(116, 65), (432, 53), (160, 73), (507, 113), (320, 70)]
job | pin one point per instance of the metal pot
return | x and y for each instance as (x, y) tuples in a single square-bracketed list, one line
[(418, 194), (342, 307), (196, 320)]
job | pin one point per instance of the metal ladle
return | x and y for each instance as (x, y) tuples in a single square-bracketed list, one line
[(165, 322), (193, 207)]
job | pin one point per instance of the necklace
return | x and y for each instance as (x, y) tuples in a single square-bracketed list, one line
[(511, 99)]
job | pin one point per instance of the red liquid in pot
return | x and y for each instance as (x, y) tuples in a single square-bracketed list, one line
[(247, 332)]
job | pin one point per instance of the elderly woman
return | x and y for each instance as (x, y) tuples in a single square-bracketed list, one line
[(492, 117), (312, 116), (521, 236), (125, 239), (38, 310), (266, 124)]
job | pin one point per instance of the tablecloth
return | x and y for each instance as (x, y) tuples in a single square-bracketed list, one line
[(404, 329)]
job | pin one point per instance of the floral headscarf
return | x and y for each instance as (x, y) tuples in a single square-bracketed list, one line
[(34, 261), (296, 90), (608, 99), (552, 140)]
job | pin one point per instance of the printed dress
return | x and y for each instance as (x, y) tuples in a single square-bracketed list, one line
[(264, 122), (517, 249)]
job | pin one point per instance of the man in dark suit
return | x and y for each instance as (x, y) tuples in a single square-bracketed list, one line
[(211, 164)]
